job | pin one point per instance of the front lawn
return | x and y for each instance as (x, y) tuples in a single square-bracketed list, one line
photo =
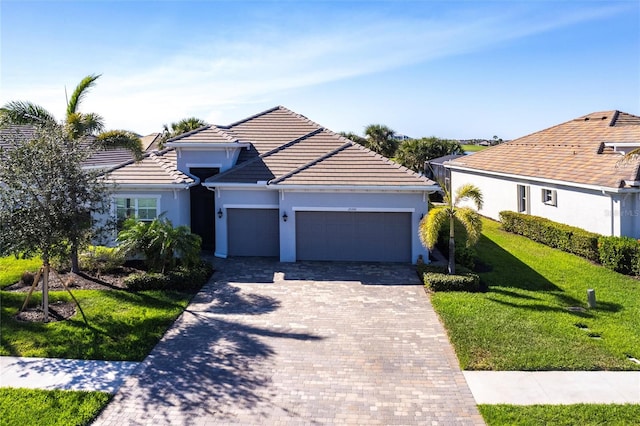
[(535, 316), (123, 326), (26, 407), (11, 269), (561, 415)]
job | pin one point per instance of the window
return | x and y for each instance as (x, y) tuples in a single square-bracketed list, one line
[(143, 209), (523, 199), (549, 197)]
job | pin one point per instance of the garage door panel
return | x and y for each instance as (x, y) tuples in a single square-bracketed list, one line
[(355, 236), (253, 232)]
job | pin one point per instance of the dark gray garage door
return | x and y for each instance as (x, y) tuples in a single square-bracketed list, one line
[(360, 236), (253, 232)]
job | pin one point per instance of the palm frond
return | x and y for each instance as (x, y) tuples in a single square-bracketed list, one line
[(469, 192), (79, 124), (24, 112), (431, 225), (79, 93), (113, 139), (472, 223)]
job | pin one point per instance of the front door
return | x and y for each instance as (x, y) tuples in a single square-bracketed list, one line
[(203, 208)]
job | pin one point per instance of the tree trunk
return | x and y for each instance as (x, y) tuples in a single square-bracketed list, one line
[(452, 248), (75, 264), (45, 291)]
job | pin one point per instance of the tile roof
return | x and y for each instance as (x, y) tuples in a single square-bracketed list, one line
[(573, 151), (290, 149), (156, 168)]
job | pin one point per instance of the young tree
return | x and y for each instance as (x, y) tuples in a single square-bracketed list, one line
[(47, 197), (78, 126), (414, 153), (451, 212)]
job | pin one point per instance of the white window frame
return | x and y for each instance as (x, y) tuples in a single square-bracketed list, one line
[(135, 207), (524, 199), (550, 197)]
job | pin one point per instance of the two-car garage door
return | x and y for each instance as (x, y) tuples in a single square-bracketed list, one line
[(353, 236)]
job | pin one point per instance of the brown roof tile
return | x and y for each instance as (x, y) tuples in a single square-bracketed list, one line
[(572, 152), (153, 169)]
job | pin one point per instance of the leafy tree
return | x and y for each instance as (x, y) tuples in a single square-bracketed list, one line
[(183, 126), (78, 126), (380, 139), (47, 196), (160, 243), (414, 153), (451, 212)]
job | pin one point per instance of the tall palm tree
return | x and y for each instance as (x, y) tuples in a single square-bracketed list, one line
[(78, 126), (380, 139), (451, 212)]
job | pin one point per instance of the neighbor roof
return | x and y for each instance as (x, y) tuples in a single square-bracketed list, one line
[(289, 149), (576, 151)]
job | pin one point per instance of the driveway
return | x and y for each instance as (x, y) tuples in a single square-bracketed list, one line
[(307, 343)]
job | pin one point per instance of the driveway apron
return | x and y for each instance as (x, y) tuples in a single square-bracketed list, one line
[(306, 343)]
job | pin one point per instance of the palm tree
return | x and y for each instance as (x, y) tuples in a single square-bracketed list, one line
[(78, 126), (183, 126), (452, 212), (380, 139)]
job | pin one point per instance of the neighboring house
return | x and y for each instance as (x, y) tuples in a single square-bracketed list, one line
[(277, 184), (435, 169), (573, 173)]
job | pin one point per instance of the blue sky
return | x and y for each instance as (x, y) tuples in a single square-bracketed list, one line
[(452, 69)]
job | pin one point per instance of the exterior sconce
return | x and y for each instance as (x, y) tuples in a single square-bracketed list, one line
[(422, 216), (219, 213), (285, 217)]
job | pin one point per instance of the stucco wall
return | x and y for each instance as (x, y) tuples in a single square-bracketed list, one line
[(585, 208), (224, 158)]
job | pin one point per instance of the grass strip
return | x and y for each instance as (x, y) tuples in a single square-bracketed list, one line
[(561, 415), (26, 407)]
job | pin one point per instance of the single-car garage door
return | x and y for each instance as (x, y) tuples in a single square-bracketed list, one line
[(359, 236), (253, 232)]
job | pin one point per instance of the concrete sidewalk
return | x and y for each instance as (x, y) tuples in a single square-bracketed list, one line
[(68, 374), (554, 387)]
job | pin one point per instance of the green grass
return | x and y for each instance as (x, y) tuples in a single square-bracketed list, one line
[(561, 415), (26, 407), (522, 322), (473, 148), (11, 269), (123, 326)]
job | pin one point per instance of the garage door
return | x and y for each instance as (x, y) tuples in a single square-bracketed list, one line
[(253, 232), (359, 236)]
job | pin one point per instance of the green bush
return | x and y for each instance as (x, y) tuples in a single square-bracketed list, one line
[(424, 268), (435, 281), (557, 235), (465, 255), (182, 278), (101, 258), (147, 281), (621, 254)]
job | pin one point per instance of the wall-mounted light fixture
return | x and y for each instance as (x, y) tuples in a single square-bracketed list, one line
[(284, 216), (219, 213), (422, 216)]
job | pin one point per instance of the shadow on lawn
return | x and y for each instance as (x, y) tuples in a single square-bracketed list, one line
[(505, 274)]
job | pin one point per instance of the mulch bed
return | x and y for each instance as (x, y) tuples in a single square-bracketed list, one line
[(60, 311)]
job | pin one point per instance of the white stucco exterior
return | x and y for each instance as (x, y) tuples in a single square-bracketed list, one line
[(606, 211)]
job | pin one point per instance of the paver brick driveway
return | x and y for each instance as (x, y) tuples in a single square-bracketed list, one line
[(306, 343)]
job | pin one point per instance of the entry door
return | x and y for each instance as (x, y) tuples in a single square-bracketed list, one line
[(203, 208)]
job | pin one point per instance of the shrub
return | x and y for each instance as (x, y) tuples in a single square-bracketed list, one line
[(621, 254), (191, 278), (435, 281), (424, 268), (147, 281), (101, 258), (465, 255), (557, 235), (27, 278)]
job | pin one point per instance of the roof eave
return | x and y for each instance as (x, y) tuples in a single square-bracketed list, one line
[(208, 145)]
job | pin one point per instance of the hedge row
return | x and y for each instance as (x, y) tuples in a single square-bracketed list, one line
[(435, 281), (621, 254), (181, 279), (557, 235)]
